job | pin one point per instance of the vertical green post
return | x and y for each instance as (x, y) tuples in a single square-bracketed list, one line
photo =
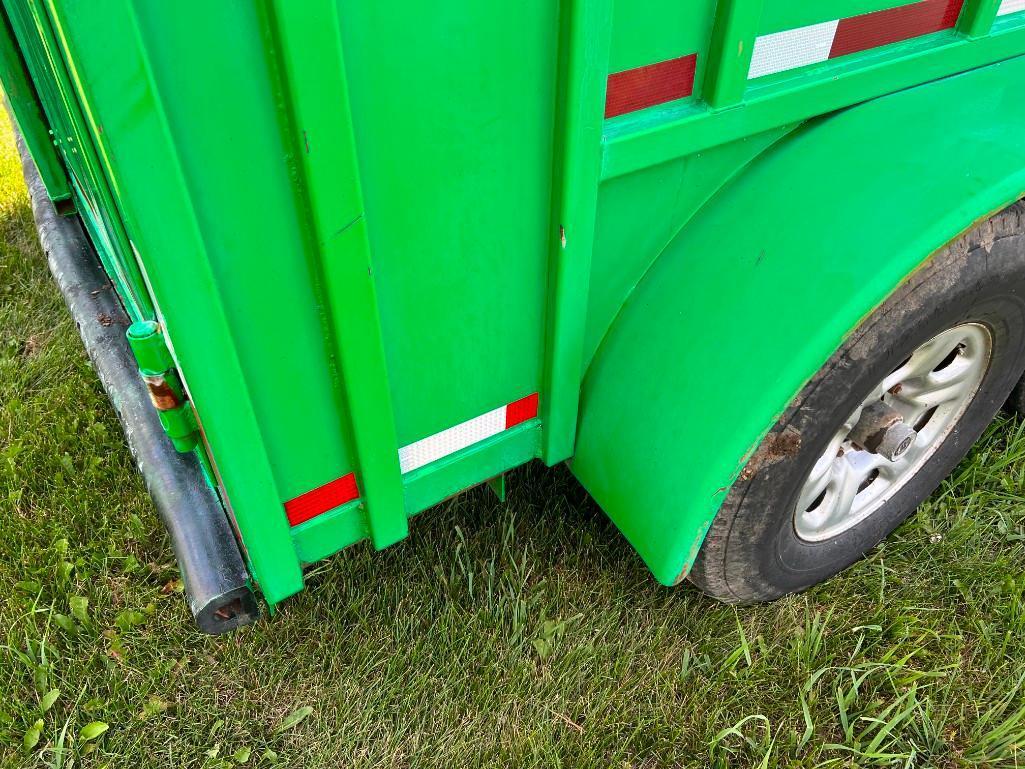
[(305, 41), (729, 54), (585, 42), (977, 18)]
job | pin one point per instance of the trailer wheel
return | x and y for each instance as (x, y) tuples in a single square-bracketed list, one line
[(877, 429)]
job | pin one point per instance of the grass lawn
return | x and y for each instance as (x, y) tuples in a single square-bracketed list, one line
[(507, 635)]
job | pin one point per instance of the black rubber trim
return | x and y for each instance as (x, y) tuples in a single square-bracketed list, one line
[(216, 581)]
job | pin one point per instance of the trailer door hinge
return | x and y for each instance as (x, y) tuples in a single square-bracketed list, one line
[(166, 390)]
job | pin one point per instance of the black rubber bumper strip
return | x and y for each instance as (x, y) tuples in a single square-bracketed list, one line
[(214, 575)]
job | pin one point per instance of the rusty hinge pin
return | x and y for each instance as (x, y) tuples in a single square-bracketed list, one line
[(165, 388)]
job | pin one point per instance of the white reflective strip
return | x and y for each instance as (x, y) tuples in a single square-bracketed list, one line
[(793, 48), (449, 441), (1011, 6)]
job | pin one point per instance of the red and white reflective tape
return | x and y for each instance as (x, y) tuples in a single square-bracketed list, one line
[(816, 43), (434, 447), (414, 456), (667, 81)]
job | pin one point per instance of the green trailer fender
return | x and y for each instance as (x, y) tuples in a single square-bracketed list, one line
[(764, 282)]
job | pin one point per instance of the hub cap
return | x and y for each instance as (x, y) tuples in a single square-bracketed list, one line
[(931, 390)]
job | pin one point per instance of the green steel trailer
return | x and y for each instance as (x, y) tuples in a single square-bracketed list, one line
[(754, 268)]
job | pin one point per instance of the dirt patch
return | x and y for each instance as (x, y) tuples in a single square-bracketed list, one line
[(775, 448), (31, 347)]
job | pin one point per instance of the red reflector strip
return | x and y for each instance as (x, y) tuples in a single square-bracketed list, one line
[(647, 86), (320, 500), (860, 33), (519, 412)]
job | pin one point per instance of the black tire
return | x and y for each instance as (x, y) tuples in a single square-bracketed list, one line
[(752, 552)]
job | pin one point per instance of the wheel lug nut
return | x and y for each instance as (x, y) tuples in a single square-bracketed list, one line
[(881, 430), (896, 442)]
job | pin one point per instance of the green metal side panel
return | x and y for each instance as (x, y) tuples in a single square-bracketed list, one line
[(330, 289), (765, 281), (454, 108)]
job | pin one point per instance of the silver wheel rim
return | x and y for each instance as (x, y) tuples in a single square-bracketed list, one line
[(931, 390)]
